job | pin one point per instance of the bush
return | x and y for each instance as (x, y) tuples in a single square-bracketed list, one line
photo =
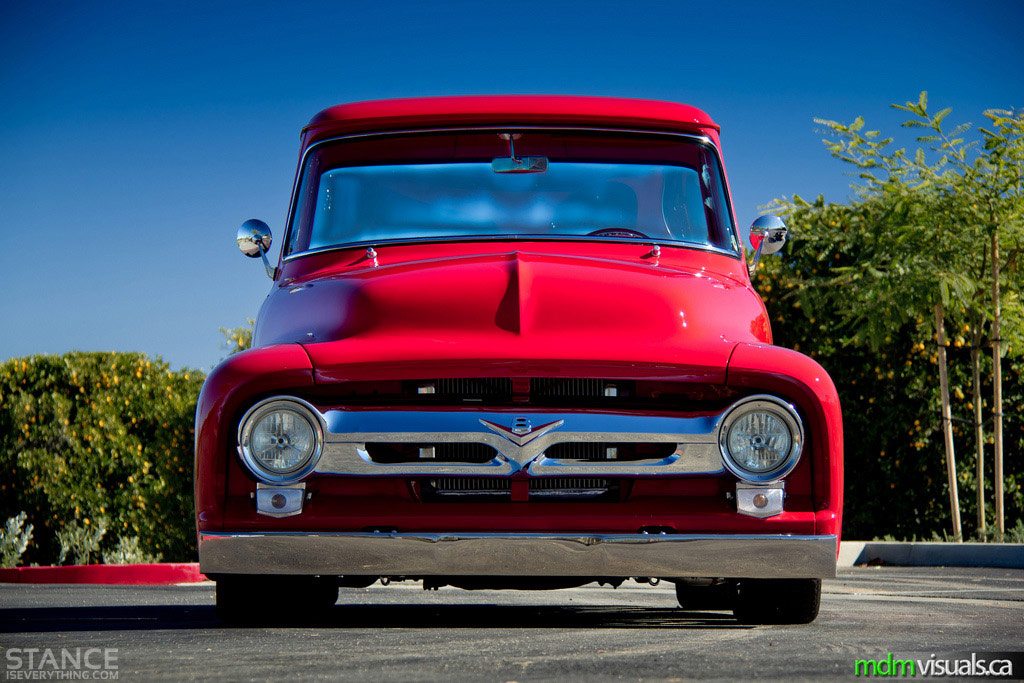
[(129, 552), (14, 539), (80, 543), (86, 437)]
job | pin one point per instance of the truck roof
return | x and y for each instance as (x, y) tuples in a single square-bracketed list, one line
[(500, 110)]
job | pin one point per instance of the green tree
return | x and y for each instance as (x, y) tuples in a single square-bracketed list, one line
[(983, 193), (906, 258)]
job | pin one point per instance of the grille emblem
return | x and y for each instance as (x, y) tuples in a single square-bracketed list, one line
[(521, 432), (521, 425)]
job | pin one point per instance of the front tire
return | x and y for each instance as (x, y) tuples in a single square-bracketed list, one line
[(777, 601), (268, 600)]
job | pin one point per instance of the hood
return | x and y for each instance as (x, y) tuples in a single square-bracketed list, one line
[(515, 306)]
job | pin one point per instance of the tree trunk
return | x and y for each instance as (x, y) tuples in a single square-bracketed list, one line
[(997, 388), (947, 424), (979, 427)]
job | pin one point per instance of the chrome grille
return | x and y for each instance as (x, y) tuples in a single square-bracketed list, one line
[(689, 442)]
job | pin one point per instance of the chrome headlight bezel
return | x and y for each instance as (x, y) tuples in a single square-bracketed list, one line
[(260, 410), (778, 408)]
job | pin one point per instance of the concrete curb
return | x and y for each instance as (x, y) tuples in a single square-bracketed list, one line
[(931, 554), (163, 574)]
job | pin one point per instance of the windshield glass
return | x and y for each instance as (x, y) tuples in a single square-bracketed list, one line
[(656, 189)]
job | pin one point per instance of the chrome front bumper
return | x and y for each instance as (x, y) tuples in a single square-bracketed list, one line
[(478, 554)]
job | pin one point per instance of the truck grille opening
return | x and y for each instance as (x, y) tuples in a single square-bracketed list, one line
[(395, 453), (471, 489), (466, 487), (555, 390), (610, 452), (459, 389), (572, 487)]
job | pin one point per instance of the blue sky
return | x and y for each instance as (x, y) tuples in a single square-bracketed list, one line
[(135, 137)]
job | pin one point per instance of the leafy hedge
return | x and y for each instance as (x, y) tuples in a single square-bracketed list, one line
[(99, 439), (895, 459)]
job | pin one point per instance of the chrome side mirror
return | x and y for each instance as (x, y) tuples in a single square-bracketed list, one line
[(254, 240), (767, 236)]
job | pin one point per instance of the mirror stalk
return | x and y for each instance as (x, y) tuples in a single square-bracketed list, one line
[(271, 270), (752, 266)]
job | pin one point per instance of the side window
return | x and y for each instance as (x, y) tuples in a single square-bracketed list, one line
[(720, 227)]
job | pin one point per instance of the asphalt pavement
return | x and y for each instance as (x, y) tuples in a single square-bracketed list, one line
[(403, 633)]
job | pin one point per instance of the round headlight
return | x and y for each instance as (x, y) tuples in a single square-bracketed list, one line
[(280, 439), (761, 439)]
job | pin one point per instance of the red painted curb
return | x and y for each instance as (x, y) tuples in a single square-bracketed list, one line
[(124, 574)]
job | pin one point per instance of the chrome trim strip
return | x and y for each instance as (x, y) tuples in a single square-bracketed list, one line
[(527, 554), (702, 140), (347, 433)]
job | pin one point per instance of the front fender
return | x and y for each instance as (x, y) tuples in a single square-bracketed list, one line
[(802, 380), (236, 382)]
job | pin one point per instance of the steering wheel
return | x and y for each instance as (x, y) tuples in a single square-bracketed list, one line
[(617, 232)]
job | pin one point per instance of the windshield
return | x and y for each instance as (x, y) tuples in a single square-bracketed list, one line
[(661, 189)]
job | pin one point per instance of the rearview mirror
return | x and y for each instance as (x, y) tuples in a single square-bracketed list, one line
[(514, 164), (520, 164)]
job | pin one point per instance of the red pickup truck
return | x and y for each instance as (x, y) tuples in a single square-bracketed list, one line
[(512, 342)]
